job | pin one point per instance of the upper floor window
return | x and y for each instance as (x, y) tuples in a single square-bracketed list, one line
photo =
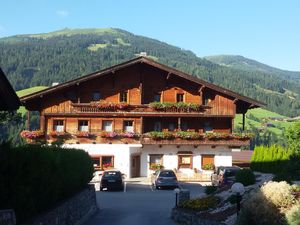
[(83, 125), (157, 126), (123, 96), (157, 97), (128, 126), (58, 125), (107, 125), (179, 97), (207, 127), (96, 96)]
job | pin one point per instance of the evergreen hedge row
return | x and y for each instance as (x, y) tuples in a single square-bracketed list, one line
[(271, 159), (35, 178)]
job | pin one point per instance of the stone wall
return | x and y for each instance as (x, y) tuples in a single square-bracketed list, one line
[(74, 211), (7, 217), (187, 217)]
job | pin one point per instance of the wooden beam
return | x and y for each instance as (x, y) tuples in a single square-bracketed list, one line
[(42, 121), (201, 88), (169, 76), (235, 100), (244, 121), (179, 123), (28, 121)]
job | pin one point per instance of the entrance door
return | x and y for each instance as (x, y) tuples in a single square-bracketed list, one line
[(135, 165)]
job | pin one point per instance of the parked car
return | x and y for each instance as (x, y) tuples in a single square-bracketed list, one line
[(164, 178), (112, 180), (224, 175)]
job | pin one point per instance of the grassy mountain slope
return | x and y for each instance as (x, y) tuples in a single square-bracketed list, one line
[(41, 59), (243, 63)]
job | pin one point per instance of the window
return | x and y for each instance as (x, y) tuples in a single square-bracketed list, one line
[(96, 96), (185, 159), (157, 97), (207, 160), (171, 127), (123, 96), (103, 162), (155, 161), (83, 125), (107, 125), (58, 125), (184, 126), (206, 99), (179, 97), (157, 126), (128, 126), (207, 127)]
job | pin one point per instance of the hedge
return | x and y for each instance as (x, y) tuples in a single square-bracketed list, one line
[(34, 178)]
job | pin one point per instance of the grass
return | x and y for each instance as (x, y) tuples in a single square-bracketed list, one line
[(28, 91), (263, 116), (95, 47)]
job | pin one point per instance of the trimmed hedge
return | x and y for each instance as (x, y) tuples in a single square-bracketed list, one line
[(34, 178), (271, 159)]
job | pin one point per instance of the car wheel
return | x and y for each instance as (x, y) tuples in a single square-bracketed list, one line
[(101, 188)]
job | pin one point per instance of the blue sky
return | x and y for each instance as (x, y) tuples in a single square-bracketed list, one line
[(267, 31)]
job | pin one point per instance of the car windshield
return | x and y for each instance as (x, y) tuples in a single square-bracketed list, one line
[(167, 174), (112, 174)]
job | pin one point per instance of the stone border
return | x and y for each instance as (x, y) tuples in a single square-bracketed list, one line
[(76, 210)]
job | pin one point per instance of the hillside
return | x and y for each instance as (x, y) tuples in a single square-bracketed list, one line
[(41, 59), (243, 63)]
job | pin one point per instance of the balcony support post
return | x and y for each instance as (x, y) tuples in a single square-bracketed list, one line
[(42, 121), (244, 121), (28, 121), (179, 123)]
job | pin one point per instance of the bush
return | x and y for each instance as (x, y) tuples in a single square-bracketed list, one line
[(281, 194), (245, 176), (35, 178), (257, 210), (200, 204), (293, 215), (233, 199), (210, 189)]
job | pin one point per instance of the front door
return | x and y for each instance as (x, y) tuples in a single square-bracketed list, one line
[(135, 165)]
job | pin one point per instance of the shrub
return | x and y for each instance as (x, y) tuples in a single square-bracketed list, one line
[(259, 211), (281, 194), (35, 178), (293, 215), (208, 166), (200, 204), (210, 189), (233, 199), (245, 176)]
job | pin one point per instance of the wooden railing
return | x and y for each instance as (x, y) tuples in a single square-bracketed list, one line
[(89, 108)]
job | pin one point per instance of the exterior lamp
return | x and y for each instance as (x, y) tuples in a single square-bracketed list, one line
[(238, 189), (176, 191)]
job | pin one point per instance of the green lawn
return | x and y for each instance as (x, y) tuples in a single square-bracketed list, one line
[(28, 91), (263, 116)]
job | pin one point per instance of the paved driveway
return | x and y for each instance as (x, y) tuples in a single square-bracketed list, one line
[(139, 204)]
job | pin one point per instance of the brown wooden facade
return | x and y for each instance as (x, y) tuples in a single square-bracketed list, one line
[(137, 83)]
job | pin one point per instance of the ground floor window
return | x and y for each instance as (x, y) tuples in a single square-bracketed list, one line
[(155, 161), (58, 125), (185, 160), (208, 162), (103, 162)]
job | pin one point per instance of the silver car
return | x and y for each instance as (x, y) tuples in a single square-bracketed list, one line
[(164, 178)]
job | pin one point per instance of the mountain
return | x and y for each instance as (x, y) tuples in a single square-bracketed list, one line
[(243, 63), (41, 59)]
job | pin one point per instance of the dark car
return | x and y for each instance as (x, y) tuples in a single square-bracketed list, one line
[(224, 175), (164, 178), (112, 180)]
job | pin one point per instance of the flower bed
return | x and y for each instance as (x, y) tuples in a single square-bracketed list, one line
[(116, 135), (180, 106), (59, 134), (201, 204), (35, 134), (83, 134), (110, 105)]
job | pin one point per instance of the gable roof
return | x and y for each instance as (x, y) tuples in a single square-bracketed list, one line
[(249, 101), (8, 97)]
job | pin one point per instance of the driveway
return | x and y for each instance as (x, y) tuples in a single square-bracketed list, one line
[(138, 204)]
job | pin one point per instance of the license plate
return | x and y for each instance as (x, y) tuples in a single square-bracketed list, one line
[(111, 181)]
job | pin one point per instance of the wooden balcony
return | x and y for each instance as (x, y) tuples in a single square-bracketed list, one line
[(135, 110)]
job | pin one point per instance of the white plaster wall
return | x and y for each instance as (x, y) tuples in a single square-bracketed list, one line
[(170, 159), (121, 153)]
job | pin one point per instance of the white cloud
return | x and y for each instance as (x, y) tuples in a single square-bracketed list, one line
[(62, 13)]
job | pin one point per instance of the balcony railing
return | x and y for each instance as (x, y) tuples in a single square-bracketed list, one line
[(134, 109)]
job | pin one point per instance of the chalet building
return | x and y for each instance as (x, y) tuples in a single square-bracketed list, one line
[(140, 114)]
